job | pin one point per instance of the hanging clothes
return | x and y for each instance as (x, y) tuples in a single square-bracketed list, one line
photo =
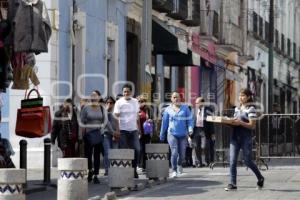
[(5, 68), (22, 76), (31, 26)]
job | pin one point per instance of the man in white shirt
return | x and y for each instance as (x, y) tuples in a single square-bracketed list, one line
[(126, 110), (202, 134)]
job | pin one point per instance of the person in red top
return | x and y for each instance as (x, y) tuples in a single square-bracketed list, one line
[(145, 138)]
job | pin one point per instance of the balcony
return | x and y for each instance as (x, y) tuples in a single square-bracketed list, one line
[(162, 5), (233, 37), (179, 10), (193, 18)]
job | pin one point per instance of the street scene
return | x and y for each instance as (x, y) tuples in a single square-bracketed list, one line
[(140, 99)]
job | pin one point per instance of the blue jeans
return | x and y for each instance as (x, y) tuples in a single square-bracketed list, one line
[(244, 142), (178, 148), (130, 140)]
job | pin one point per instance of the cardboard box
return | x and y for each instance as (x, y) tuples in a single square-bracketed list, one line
[(219, 119)]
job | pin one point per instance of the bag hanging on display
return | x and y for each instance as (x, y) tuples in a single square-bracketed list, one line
[(33, 119), (28, 102)]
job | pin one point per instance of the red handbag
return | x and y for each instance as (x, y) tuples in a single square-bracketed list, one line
[(33, 122)]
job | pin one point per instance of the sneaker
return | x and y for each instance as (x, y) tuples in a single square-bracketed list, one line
[(96, 180), (179, 170), (139, 169), (260, 182), (90, 176), (174, 175), (231, 187)]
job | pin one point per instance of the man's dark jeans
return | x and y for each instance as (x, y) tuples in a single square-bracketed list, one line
[(130, 140)]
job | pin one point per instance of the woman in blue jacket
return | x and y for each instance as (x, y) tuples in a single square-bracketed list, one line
[(177, 125), (241, 138)]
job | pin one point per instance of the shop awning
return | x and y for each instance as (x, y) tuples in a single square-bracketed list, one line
[(165, 41), (189, 59)]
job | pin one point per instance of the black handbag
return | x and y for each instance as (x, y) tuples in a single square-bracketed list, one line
[(94, 137)]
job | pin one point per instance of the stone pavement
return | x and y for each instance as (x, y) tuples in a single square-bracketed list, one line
[(196, 183), (281, 183)]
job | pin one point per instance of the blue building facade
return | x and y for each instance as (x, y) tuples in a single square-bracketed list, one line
[(99, 41)]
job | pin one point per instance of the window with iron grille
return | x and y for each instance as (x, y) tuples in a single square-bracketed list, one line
[(299, 54), (260, 26), (276, 38), (294, 51), (162, 5), (4, 4), (180, 9), (266, 31), (282, 43), (288, 47), (216, 25), (255, 21)]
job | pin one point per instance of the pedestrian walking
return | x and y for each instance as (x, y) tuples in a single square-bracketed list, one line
[(65, 129), (93, 117), (145, 136), (203, 133), (110, 138), (126, 110), (177, 125), (241, 138)]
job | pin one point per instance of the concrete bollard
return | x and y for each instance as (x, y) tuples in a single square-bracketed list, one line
[(120, 172), (157, 164), (11, 184), (73, 180)]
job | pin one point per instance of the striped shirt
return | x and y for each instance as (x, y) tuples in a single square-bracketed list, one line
[(244, 114)]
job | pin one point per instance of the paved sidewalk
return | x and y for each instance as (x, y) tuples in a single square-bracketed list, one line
[(35, 178), (281, 183), (197, 183)]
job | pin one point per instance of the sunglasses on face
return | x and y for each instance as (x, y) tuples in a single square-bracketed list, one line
[(109, 102)]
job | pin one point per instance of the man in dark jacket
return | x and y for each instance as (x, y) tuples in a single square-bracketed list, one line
[(203, 133), (65, 129)]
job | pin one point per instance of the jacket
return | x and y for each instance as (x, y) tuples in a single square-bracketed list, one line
[(64, 130), (178, 123), (32, 29)]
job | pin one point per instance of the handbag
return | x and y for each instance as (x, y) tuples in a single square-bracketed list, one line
[(33, 119), (94, 137), (28, 102)]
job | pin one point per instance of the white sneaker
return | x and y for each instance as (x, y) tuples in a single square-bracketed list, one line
[(139, 169), (179, 170), (174, 175)]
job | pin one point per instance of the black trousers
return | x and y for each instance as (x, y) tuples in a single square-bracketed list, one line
[(92, 153)]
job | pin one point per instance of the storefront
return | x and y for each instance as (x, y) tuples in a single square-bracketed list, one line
[(171, 54), (204, 79)]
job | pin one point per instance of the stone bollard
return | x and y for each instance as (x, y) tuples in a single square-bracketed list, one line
[(73, 181), (157, 164), (120, 172), (11, 184)]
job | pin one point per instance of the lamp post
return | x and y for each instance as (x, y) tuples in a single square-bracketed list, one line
[(271, 41), (146, 44)]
